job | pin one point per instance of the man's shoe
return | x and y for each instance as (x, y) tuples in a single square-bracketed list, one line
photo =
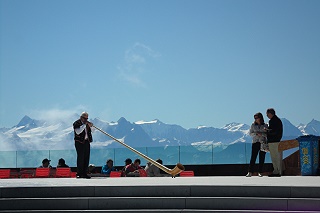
[(86, 177), (260, 175), (249, 174), (83, 176)]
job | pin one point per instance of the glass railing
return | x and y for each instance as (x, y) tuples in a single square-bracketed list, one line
[(170, 155)]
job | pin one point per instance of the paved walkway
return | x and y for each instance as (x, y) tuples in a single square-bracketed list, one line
[(310, 181)]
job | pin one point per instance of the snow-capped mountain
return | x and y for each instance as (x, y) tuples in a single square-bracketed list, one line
[(132, 134), (165, 134), (233, 127), (312, 128), (31, 134), (289, 130)]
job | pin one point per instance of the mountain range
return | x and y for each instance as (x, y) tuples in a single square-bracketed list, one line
[(32, 134)]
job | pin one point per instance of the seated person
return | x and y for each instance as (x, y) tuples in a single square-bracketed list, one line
[(45, 163), (128, 161), (152, 170), (62, 163), (132, 170), (106, 169)]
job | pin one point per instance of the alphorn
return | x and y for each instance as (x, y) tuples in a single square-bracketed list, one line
[(173, 172)]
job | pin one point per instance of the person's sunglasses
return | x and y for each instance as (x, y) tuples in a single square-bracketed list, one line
[(84, 118)]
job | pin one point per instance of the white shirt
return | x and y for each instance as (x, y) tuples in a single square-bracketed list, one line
[(80, 129)]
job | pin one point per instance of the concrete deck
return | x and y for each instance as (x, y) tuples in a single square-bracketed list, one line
[(216, 194), (296, 181)]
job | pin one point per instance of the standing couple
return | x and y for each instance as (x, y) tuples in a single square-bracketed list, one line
[(266, 138)]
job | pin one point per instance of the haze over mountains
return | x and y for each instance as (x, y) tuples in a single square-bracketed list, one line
[(31, 134)]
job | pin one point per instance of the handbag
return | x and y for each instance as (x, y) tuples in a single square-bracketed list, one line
[(264, 146)]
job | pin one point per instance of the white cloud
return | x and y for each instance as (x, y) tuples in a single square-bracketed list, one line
[(56, 114), (134, 58), (135, 62)]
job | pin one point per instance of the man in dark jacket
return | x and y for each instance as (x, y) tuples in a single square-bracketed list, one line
[(274, 135), (82, 139)]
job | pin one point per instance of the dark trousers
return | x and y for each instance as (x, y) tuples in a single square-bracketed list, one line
[(83, 156), (254, 154)]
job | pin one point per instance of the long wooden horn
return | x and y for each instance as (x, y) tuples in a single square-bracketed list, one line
[(173, 172)]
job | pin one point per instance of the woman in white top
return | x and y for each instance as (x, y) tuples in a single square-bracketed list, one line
[(259, 138)]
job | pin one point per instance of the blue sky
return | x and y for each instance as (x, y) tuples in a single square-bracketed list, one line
[(184, 62)]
